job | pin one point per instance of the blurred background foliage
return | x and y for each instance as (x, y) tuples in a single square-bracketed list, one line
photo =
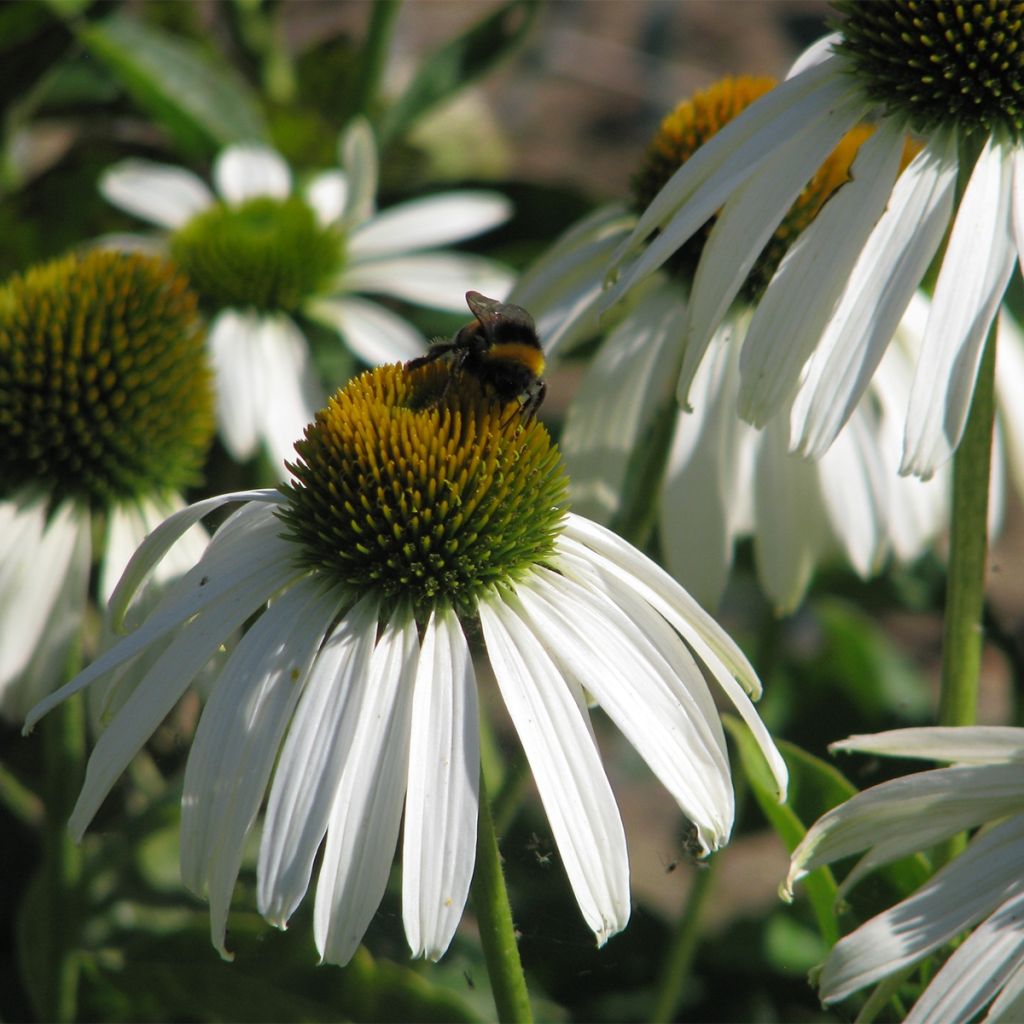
[(550, 105)]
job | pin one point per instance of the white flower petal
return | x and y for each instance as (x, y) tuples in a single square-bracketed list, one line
[(970, 287), (623, 388), (241, 384), (327, 194), (977, 970), (357, 153), (1017, 201), (792, 314), (601, 647), (191, 647), (367, 811), (979, 744), (886, 276), (160, 193), (1009, 1004), (310, 765), (439, 280), (429, 222), (237, 740), (746, 223), (725, 162), (566, 766), (1009, 388), (439, 847), (249, 171), (953, 899), (374, 333)]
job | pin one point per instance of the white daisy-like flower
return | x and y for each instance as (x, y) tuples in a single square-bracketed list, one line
[(949, 72), (263, 254), (421, 514), (106, 411), (980, 891)]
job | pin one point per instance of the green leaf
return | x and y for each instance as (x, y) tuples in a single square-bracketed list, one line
[(204, 105), (459, 62)]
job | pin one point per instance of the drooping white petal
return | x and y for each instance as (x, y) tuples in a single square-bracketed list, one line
[(793, 312), (357, 153), (241, 395), (429, 222), (327, 194), (1009, 388), (1009, 1004), (236, 742), (907, 814), (624, 386), (563, 287), (1017, 200), (565, 763), (747, 222), (953, 899), (367, 812), (609, 656), (160, 193), (195, 642), (724, 163), (311, 762), (249, 171), (439, 280), (885, 277), (970, 287), (979, 744), (977, 970), (439, 846), (374, 333)]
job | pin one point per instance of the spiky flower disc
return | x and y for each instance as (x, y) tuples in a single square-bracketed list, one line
[(695, 121), (422, 487), (940, 63), (105, 392)]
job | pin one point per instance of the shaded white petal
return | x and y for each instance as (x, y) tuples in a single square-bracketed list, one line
[(327, 194), (241, 395), (1009, 388), (818, 52), (429, 222), (160, 193), (165, 681), (886, 276), (439, 280), (977, 744), (357, 153), (367, 812), (907, 814), (236, 742), (566, 766), (599, 645), (953, 899), (439, 846), (562, 288), (314, 754), (1017, 200), (975, 270), (623, 388), (1009, 1005), (707, 476), (747, 222), (374, 333), (793, 312), (248, 171), (724, 163), (976, 971)]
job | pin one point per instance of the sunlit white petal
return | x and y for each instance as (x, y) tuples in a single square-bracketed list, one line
[(248, 171), (162, 194)]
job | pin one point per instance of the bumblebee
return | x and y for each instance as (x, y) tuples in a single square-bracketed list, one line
[(500, 348)]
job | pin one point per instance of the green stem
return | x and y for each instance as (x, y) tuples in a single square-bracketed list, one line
[(374, 56), (494, 919), (676, 968), (968, 548), (64, 754), (19, 799)]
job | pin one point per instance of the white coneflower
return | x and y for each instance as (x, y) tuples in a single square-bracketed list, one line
[(982, 888), (106, 411), (422, 512), (712, 479), (949, 72), (262, 255)]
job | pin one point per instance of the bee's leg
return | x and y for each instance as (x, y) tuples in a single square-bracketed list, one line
[(435, 352)]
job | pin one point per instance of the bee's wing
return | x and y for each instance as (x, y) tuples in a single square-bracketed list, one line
[(487, 311)]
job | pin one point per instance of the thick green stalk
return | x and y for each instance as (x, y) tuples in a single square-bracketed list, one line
[(374, 56), (968, 549), (64, 753), (494, 919)]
